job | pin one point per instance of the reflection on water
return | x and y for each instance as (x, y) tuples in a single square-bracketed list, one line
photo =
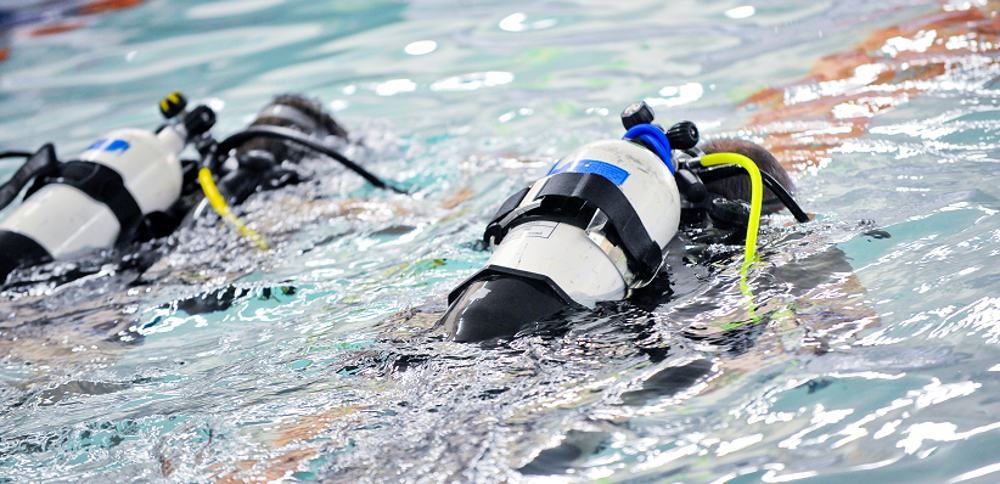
[(943, 54), (869, 352), (22, 22)]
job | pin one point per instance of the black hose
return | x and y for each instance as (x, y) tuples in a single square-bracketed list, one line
[(39, 163), (709, 176), (786, 198), (15, 154), (237, 139), (716, 174)]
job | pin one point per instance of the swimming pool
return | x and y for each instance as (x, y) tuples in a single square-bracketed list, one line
[(318, 360)]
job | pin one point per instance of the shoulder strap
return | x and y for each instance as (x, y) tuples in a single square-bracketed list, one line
[(591, 192)]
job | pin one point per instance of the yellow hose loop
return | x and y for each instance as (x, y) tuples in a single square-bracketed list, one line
[(753, 225), (756, 198), (219, 204)]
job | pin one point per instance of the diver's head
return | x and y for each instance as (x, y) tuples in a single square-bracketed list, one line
[(593, 229), (738, 188), (295, 112), (261, 159)]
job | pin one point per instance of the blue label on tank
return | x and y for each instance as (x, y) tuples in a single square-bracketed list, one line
[(111, 145), (616, 174)]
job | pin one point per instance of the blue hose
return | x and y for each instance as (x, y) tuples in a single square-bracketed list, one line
[(655, 138)]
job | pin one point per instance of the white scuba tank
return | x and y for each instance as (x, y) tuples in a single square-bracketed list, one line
[(67, 222), (581, 261), (593, 229)]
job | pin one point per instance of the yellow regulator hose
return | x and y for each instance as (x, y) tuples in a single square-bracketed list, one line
[(219, 204), (756, 200)]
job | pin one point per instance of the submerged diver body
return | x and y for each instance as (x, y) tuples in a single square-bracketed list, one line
[(596, 228), (131, 186), (49, 303)]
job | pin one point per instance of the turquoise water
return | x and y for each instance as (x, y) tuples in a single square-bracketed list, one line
[(321, 363)]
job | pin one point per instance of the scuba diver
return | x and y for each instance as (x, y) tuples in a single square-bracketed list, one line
[(131, 186), (596, 227)]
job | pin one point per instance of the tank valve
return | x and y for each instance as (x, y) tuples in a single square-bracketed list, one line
[(683, 135), (637, 113), (199, 121), (173, 105)]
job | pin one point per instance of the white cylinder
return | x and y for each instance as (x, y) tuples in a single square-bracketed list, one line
[(648, 185), (564, 254), (147, 162), (64, 221), (585, 265), (68, 223)]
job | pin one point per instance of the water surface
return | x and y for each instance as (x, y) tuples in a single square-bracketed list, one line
[(869, 354)]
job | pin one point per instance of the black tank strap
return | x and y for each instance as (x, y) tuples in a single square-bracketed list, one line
[(106, 186), (40, 164), (495, 228), (594, 192)]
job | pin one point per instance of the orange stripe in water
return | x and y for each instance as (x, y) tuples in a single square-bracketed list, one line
[(107, 6), (55, 29), (801, 133)]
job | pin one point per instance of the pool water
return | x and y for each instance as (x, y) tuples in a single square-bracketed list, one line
[(868, 351)]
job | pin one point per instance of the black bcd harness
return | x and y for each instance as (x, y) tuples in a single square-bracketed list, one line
[(102, 184), (574, 198)]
